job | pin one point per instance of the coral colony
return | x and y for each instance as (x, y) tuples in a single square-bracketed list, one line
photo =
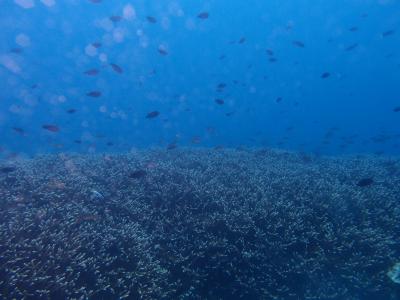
[(200, 224)]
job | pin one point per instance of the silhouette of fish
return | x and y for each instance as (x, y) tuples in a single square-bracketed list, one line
[(151, 19), (94, 94), (116, 68), (203, 15), (325, 75), (388, 33), (92, 72), (152, 114), (51, 127), (298, 44), (365, 182)]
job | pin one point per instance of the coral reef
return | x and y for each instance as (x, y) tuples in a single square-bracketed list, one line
[(199, 224)]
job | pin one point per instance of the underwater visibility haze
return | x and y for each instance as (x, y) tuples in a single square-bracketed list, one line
[(200, 149)]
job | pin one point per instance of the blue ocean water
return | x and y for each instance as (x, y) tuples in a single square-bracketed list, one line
[(273, 95), (199, 149)]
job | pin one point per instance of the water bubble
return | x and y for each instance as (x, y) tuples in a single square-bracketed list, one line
[(25, 3)]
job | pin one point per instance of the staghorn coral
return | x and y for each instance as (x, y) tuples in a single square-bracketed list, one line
[(196, 224)]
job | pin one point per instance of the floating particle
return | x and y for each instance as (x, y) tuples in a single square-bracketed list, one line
[(71, 111), (325, 75), (242, 40), (388, 33), (203, 15), (48, 3), (25, 3), (92, 72), (95, 1), (137, 174), (396, 109), (365, 182), (228, 114), (51, 127), (94, 94), (8, 62), (279, 99), (219, 101), (152, 114), (117, 69), (7, 169), (353, 29), (151, 19), (351, 47), (129, 12), (272, 59), (23, 40), (115, 19), (298, 44)]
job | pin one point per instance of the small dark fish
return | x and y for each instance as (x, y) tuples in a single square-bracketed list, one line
[(138, 174), (351, 47), (16, 50), (94, 94), (223, 56), (78, 142), (110, 144), (92, 72), (51, 127), (71, 111), (242, 40), (298, 44), (279, 99), (273, 59), (270, 52), (365, 182), (152, 114), (151, 19), (388, 33), (210, 129), (325, 75), (7, 169), (203, 15), (396, 109), (171, 146), (117, 69), (196, 140), (96, 45), (115, 19), (221, 86), (228, 114), (19, 130), (34, 86), (95, 1), (219, 101), (162, 50), (353, 29)]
